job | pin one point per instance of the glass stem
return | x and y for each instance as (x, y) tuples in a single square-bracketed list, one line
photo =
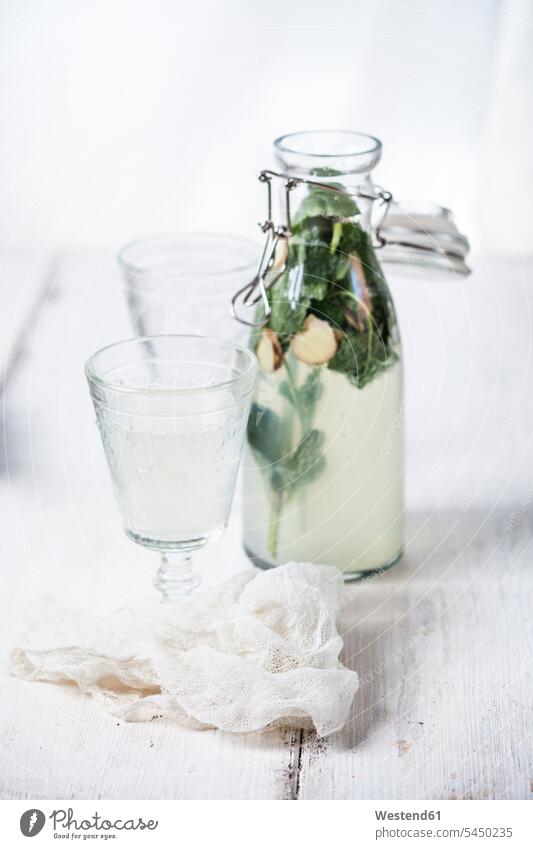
[(176, 577)]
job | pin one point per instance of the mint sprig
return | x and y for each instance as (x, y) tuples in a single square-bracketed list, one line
[(323, 279)]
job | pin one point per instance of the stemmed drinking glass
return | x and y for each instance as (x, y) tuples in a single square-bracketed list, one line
[(172, 413), (184, 280)]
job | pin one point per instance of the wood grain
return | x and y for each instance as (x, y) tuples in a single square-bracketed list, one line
[(442, 643)]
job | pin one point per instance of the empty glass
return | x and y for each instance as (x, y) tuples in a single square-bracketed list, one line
[(184, 282), (172, 413)]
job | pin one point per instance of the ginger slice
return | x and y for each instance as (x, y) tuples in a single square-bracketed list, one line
[(269, 351), (316, 343)]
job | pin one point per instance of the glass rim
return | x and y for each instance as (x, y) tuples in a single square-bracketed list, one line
[(185, 235), (94, 379), (281, 144)]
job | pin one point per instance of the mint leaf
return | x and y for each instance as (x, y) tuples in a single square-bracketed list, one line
[(325, 203), (361, 356), (264, 432), (303, 398), (304, 464)]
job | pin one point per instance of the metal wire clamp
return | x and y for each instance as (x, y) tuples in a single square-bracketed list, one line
[(273, 261)]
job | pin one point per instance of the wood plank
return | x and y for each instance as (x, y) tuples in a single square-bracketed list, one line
[(64, 539), (443, 642), (26, 283), (56, 744), (444, 709)]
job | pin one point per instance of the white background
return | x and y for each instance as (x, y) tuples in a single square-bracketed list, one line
[(121, 119)]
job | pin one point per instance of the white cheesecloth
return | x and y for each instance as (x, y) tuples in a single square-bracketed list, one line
[(258, 650)]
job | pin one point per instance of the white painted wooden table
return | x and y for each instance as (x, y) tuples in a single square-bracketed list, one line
[(442, 643)]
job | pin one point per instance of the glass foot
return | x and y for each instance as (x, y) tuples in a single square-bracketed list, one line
[(176, 577)]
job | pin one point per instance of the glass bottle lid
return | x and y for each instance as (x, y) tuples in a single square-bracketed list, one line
[(417, 234)]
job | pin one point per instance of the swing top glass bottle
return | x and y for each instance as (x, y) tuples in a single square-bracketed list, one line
[(323, 470)]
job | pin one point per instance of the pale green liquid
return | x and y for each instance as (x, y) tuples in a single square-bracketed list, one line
[(175, 486), (351, 515)]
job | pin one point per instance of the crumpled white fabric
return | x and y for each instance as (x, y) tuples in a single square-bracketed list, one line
[(256, 651)]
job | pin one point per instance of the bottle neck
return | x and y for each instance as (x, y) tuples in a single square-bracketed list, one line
[(338, 157)]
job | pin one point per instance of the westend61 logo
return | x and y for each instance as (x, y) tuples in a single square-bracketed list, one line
[(65, 825)]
